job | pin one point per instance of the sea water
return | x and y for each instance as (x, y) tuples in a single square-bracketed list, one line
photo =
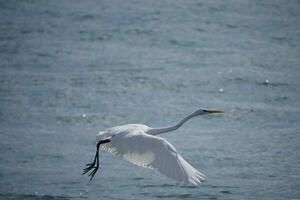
[(70, 69)]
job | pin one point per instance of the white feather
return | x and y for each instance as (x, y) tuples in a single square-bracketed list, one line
[(133, 144)]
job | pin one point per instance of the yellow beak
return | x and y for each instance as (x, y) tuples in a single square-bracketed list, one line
[(213, 110)]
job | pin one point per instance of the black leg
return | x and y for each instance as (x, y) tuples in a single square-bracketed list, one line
[(91, 166)]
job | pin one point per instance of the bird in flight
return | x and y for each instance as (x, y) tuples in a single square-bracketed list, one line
[(140, 145)]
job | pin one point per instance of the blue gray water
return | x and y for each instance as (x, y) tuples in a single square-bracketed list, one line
[(72, 68)]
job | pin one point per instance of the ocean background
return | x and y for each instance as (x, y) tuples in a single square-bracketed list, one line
[(69, 69)]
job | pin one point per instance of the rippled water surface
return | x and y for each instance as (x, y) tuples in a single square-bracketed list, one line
[(72, 68)]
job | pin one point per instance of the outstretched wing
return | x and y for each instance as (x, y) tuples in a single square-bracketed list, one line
[(153, 152)]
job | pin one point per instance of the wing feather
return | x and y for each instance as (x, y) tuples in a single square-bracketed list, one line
[(151, 151)]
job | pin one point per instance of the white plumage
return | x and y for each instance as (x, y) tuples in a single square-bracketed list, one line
[(139, 144)]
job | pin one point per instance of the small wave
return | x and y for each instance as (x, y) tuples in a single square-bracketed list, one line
[(41, 54), (137, 178), (280, 39), (148, 186), (181, 43), (86, 17), (32, 197), (179, 196), (270, 83), (231, 26), (139, 32), (266, 82), (33, 66), (77, 119), (159, 186), (188, 186), (201, 30), (226, 192), (225, 187)]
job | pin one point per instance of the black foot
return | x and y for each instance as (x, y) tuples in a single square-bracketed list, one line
[(92, 174), (87, 169), (94, 165)]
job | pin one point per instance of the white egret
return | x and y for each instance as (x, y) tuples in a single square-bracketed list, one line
[(139, 144)]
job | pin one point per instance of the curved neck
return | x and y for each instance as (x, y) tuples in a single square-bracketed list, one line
[(156, 131)]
